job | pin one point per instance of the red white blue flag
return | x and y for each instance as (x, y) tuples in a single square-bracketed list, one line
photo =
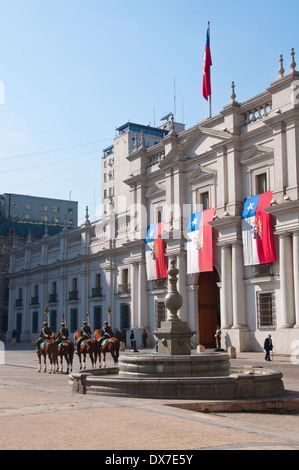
[(206, 84), (200, 242), (156, 261), (257, 235)]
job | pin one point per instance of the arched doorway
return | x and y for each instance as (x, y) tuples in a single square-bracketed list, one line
[(208, 308)]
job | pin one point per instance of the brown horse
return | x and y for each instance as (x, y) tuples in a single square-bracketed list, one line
[(89, 346), (66, 351), (48, 348), (111, 345)]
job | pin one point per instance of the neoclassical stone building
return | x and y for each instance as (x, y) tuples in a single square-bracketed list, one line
[(247, 149)]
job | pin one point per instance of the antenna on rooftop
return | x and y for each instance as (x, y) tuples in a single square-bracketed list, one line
[(174, 98), (166, 118)]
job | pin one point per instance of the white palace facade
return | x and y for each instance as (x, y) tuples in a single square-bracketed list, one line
[(98, 271)]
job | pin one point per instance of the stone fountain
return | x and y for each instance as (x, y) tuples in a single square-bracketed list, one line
[(173, 372)]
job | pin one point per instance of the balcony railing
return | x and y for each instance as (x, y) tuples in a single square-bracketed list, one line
[(52, 298), (19, 302), (73, 295), (97, 292), (124, 288), (34, 300)]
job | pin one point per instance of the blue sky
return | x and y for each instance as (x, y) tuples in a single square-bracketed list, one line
[(74, 70)]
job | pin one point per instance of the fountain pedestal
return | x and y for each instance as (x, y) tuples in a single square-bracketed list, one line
[(174, 335)]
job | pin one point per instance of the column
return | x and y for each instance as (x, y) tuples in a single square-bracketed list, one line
[(296, 274), (287, 317), (143, 318), (134, 292), (182, 288), (238, 288), (226, 287)]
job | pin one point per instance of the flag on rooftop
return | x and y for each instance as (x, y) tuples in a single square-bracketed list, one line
[(206, 84)]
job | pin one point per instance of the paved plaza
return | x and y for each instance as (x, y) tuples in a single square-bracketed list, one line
[(39, 412)]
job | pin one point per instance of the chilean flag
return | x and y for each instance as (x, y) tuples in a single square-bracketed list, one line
[(156, 261), (200, 243), (206, 84), (257, 236)]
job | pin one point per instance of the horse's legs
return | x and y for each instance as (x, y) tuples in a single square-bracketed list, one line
[(45, 363), (80, 361), (39, 361), (61, 363), (104, 358)]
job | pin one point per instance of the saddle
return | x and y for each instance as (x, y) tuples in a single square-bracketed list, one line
[(103, 341)]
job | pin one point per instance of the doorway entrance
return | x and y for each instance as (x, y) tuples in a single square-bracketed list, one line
[(208, 308)]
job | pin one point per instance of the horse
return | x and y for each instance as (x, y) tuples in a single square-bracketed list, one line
[(48, 348), (66, 350), (88, 346), (111, 345)]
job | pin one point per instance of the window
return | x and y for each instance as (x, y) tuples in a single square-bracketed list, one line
[(266, 310), (105, 194), (105, 177), (53, 320), (44, 208), (97, 318), (28, 206), (261, 183), (15, 205), (160, 313), (125, 320), (27, 217), (44, 218), (110, 174), (34, 322), (74, 320), (111, 191), (204, 200), (55, 209)]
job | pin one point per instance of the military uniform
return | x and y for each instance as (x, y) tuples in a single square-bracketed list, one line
[(45, 333), (63, 333), (106, 330), (85, 333)]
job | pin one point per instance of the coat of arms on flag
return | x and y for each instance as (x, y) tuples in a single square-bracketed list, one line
[(257, 236), (156, 261), (200, 242)]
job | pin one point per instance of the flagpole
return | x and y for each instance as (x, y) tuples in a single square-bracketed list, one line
[(210, 97)]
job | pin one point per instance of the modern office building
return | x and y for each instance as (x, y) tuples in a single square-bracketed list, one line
[(19, 207)]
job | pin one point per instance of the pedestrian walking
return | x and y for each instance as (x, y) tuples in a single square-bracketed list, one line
[(268, 346)]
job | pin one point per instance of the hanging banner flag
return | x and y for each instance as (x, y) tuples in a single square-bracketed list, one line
[(257, 236), (206, 83), (156, 261), (200, 243)]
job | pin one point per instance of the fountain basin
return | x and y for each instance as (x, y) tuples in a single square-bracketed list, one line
[(156, 365), (246, 383)]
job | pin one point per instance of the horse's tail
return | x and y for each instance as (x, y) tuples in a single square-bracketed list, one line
[(117, 348)]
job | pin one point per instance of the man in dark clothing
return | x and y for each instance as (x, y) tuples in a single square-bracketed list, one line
[(85, 333), (268, 346), (63, 333), (45, 333)]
